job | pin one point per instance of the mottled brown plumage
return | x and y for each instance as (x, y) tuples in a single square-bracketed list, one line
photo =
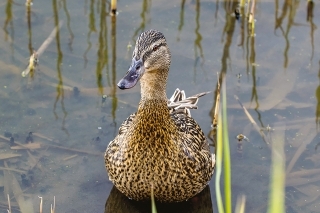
[(158, 146)]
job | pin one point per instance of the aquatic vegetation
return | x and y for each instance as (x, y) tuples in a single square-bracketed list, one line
[(223, 155), (34, 58), (274, 73)]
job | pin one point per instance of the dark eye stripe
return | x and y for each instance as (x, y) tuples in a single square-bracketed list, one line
[(147, 53), (157, 46)]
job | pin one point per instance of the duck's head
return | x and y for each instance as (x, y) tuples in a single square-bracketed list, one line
[(151, 55)]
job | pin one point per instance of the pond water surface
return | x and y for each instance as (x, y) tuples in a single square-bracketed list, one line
[(274, 71)]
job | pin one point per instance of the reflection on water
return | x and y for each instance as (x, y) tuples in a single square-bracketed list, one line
[(71, 35), (59, 88), (198, 52), (8, 19), (310, 6), (29, 29), (114, 60), (102, 53), (119, 203), (274, 74), (144, 20), (181, 21), (318, 101)]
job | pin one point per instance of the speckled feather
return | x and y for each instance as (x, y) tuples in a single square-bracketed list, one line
[(159, 148)]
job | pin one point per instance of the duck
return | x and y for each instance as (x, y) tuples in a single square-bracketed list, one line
[(160, 148)]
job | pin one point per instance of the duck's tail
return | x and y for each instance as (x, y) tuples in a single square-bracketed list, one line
[(178, 102)]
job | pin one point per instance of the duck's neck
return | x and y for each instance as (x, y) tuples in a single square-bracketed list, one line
[(153, 107), (153, 86)]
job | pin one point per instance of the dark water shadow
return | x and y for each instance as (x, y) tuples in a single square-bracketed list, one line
[(119, 203)]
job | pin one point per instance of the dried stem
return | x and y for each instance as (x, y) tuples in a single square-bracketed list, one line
[(9, 204), (53, 207), (33, 62), (255, 125), (251, 16), (113, 7), (216, 111), (40, 204)]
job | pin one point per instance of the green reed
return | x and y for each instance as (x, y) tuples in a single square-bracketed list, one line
[(277, 176), (218, 166), (223, 155), (153, 204)]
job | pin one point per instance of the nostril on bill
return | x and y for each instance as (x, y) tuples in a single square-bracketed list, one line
[(121, 85)]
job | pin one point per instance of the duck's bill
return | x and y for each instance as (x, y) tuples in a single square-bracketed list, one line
[(133, 75)]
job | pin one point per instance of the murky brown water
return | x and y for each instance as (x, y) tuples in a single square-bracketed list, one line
[(275, 74)]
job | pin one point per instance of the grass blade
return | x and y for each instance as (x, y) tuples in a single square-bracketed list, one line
[(277, 184), (153, 204), (226, 152), (218, 165)]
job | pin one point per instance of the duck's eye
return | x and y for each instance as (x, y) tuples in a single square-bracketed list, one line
[(156, 47)]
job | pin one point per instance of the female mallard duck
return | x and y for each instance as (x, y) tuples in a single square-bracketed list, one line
[(158, 146)]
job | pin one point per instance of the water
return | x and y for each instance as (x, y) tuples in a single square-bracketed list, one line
[(274, 74)]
